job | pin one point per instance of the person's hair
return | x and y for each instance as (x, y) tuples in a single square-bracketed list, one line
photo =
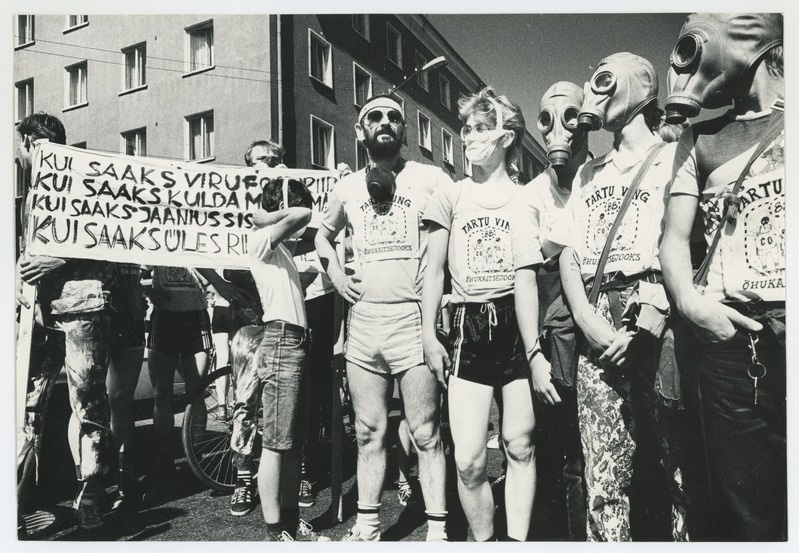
[(276, 148), (511, 115), (653, 115), (774, 60), (43, 125), (298, 194)]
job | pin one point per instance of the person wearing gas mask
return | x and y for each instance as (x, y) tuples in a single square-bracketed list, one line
[(553, 372), (618, 346), (470, 231), (732, 168), (384, 325)]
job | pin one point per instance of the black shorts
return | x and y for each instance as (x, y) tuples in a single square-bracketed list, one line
[(176, 332), (487, 346)]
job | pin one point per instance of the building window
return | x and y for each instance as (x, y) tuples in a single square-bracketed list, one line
[(424, 131), (320, 59), (19, 184), (135, 142), (24, 99), (361, 155), (25, 30), (77, 76), (362, 82), (467, 165), (360, 22), (135, 66), (443, 90), (323, 146), (200, 136), (200, 47), (76, 22), (446, 147), (394, 45), (423, 79)]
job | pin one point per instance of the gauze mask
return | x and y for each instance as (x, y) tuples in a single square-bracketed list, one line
[(622, 85), (713, 56), (557, 120), (480, 147)]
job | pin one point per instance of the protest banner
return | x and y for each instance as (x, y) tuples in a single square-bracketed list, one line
[(97, 205)]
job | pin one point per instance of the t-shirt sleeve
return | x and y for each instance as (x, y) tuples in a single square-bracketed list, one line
[(334, 217), (685, 171), (439, 208), (524, 229), (260, 244)]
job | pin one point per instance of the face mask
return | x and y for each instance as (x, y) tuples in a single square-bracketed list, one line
[(481, 146), (380, 183), (620, 88), (557, 120), (713, 56)]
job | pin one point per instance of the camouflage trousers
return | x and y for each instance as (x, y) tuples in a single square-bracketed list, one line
[(612, 405), (80, 344)]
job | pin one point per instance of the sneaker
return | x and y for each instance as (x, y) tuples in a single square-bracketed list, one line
[(354, 534), (500, 479), (282, 536), (404, 493), (305, 530), (129, 493), (88, 513), (493, 442), (242, 501), (306, 496)]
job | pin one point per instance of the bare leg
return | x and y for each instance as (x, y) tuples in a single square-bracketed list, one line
[(269, 484), (161, 367), (517, 436), (469, 408), (404, 450), (123, 375)]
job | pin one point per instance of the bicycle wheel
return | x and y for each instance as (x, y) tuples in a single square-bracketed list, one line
[(207, 426)]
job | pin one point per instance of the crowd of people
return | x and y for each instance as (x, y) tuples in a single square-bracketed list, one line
[(615, 302)]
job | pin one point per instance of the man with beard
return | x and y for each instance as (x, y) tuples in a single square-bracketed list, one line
[(384, 324)]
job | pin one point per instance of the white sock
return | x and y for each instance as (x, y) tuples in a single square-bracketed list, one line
[(436, 525), (368, 519)]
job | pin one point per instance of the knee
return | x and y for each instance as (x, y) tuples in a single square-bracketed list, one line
[(370, 434), (471, 469), (520, 449), (426, 436)]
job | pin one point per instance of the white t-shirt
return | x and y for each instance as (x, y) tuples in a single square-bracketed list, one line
[(749, 263), (389, 238), (277, 279), (479, 218), (597, 194), (186, 292)]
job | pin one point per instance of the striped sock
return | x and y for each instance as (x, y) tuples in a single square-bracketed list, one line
[(436, 525), (244, 475), (368, 519)]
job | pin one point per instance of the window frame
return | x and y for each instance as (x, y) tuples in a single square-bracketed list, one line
[(31, 23), (398, 61), (29, 97), (449, 160), (355, 67), (332, 150), (141, 144), (429, 142), (312, 36), (467, 165), (128, 50), (81, 22), (442, 80), (68, 88), (422, 78), (367, 26), (361, 148), (188, 143), (204, 26)]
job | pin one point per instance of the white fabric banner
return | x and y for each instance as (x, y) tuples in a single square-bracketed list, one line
[(113, 207)]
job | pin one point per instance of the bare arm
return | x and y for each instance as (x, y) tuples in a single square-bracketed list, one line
[(287, 222), (435, 354), (227, 290), (325, 242)]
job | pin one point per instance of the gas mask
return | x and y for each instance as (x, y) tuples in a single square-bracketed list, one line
[(557, 120), (712, 57), (380, 183), (620, 88), (481, 142)]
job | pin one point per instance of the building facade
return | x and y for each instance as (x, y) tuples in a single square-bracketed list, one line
[(202, 87)]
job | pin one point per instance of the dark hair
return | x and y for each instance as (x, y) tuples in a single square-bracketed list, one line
[(774, 60), (279, 150), (298, 194), (43, 125), (653, 115)]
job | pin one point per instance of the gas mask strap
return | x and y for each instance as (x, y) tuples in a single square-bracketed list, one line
[(637, 110)]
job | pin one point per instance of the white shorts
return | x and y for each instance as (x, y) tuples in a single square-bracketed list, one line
[(385, 338)]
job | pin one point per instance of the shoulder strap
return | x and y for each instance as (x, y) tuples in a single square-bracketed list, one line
[(628, 198), (731, 208)]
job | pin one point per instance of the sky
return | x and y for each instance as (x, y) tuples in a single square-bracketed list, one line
[(522, 55)]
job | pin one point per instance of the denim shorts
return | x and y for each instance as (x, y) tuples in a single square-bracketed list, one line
[(280, 362)]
